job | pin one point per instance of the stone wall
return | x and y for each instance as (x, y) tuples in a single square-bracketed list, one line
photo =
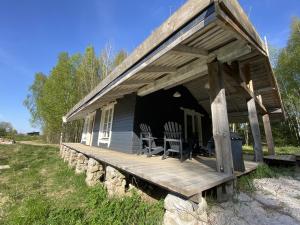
[(82, 163), (94, 172), (115, 182), (177, 210), (72, 158)]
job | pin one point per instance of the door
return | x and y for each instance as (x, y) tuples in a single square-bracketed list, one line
[(192, 125)]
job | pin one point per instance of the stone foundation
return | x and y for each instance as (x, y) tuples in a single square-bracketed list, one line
[(94, 172), (67, 152), (73, 158), (180, 211), (81, 164), (115, 182)]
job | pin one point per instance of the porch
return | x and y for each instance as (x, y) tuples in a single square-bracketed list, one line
[(187, 179)]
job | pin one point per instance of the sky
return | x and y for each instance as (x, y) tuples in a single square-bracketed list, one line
[(34, 32)]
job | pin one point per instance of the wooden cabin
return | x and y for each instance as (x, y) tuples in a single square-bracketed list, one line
[(203, 68)]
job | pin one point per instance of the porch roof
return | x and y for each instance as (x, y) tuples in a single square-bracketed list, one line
[(177, 53)]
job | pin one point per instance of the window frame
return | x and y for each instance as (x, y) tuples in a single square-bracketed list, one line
[(107, 124)]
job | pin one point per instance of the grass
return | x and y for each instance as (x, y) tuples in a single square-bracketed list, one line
[(279, 150), (28, 138), (40, 189)]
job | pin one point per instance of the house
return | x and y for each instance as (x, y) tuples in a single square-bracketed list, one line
[(204, 67), (34, 133)]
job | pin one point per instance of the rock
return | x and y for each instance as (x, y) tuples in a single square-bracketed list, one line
[(94, 172), (81, 165), (173, 203), (115, 182), (181, 211), (67, 154), (3, 167), (73, 159)]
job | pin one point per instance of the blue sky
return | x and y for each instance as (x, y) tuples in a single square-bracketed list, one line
[(34, 32)]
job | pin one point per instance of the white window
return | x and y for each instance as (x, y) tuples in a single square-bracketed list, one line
[(83, 137), (106, 123)]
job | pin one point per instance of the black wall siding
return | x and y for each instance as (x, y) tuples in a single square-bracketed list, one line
[(123, 122), (160, 107), (96, 128)]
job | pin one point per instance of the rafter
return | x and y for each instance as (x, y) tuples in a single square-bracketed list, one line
[(159, 69), (189, 51)]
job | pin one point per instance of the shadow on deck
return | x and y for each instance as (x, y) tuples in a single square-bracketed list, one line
[(188, 178)]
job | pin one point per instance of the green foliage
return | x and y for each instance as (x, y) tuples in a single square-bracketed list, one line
[(280, 150), (41, 189), (22, 137), (32, 101), (73, 77), (7, 130), (287, 71)]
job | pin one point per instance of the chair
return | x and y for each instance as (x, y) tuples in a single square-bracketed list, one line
[(147, 141), (172, 138)]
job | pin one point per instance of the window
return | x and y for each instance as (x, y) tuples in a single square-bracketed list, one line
[(106, 123), (83, 137)]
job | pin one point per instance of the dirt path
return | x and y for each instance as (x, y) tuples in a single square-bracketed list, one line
[(275, 202)]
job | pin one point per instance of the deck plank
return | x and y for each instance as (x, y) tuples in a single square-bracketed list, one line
[(186, 178)]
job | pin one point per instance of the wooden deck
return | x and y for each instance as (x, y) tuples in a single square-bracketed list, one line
[(188, 178)]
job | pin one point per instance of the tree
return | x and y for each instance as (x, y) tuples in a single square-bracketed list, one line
[(87, 74), (32, 101), (73, 77), (287, 71), (7, 130)]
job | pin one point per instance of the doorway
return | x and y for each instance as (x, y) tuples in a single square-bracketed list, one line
[(89, 130), (192, 125)]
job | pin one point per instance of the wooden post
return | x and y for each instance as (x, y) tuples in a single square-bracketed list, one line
[(220, 123), (268, 132), (252, 114)]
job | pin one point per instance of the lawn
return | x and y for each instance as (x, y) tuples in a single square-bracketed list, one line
[(279, 150), (39, 188)]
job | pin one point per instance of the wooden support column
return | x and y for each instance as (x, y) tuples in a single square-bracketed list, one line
[(268, 133), (220, 123), (253, 118)]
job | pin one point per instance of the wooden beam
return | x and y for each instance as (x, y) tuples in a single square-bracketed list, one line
[(265, 89), (232, 51), (192, 70), (268, 133), (189, 51), (136, 82), (159, 69), (235, 75), (252, 113), (220, 123)]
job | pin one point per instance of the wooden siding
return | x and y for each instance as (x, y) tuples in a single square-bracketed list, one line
[(96, 127), (122, 127)]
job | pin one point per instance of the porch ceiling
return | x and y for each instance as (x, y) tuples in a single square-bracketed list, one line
[(181, 58)]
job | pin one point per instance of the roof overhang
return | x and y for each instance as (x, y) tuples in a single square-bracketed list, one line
[(178, 52)]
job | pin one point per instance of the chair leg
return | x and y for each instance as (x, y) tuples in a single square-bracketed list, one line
[(164, 155)]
